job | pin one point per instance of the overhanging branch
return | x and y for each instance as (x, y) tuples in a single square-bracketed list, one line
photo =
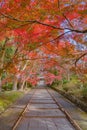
[(80, 58), (44, 24)]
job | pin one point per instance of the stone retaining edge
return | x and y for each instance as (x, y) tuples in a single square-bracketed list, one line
[(73, 99)]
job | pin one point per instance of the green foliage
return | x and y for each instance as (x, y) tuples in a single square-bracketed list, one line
[(7, 98), (84, 92), (69, 86), (2, 43), (65, 88), (7, 86), (55, 84), (85, 85), (65, 81), (4, 75), (54, 71), (9, 53), (72, 85), (73, 80)]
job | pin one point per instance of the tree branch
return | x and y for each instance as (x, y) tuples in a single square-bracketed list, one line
[(44, 24), (68, 20), (30, 21), (59, 4), (32, 59), (80, 58)]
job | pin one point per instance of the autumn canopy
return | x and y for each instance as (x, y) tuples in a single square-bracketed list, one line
[(42, 37)]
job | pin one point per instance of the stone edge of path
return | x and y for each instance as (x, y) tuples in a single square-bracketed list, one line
[(72, 98)]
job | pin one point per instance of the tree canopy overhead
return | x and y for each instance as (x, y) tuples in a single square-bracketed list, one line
[(41, 36)]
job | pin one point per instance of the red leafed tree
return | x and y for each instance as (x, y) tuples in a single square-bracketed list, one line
[(37, 30)]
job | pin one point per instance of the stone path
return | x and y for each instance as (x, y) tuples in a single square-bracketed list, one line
[(43, 113), (37, 110)]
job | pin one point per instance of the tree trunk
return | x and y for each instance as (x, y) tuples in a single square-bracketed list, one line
[(62, 83), (25, 85), (68, 75), (15, 84), (0, 85), (22, 86), (1, 67)]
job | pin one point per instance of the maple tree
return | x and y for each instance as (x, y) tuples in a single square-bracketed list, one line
[(41, 36)]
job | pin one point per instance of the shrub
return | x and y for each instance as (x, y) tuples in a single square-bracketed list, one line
[(65, 81), (8, 97), (85, 85), (65, 88), (29, 85), (7, 86), (84, 92)]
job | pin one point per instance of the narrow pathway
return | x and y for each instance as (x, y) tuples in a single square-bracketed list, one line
[(39, 110), (43, 113)]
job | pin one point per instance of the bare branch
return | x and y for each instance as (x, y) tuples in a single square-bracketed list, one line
[(68, 20), (80, 58)]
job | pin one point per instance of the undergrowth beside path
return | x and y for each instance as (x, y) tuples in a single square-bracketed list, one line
[(9, 97)]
